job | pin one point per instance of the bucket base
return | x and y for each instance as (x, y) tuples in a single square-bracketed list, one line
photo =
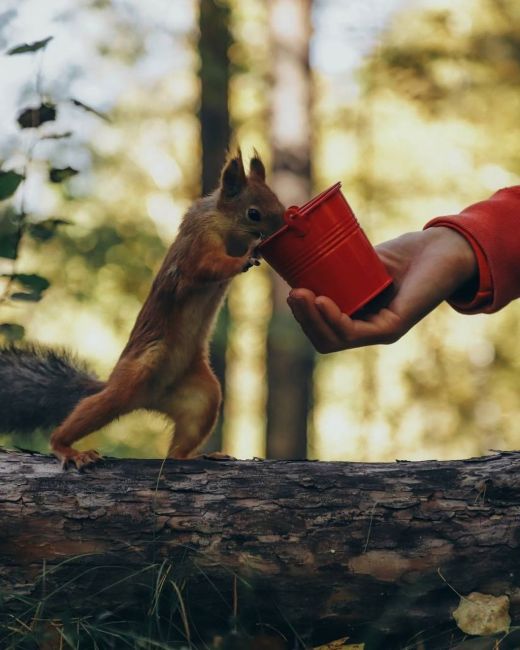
[(376, 302)]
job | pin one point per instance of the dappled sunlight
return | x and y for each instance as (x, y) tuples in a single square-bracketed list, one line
[(493, 176), (166, 213), (137, 435), (244, 408), (162, 167), (88, 335)]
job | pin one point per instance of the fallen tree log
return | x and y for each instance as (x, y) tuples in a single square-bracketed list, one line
[(314, 550)]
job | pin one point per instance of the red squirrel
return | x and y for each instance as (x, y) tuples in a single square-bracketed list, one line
[(164, 366)]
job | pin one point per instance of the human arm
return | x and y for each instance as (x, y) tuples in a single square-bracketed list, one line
[(427, 267)]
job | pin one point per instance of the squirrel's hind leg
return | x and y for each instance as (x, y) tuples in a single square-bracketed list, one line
[(193, 406), (90, 414), (125, 391)]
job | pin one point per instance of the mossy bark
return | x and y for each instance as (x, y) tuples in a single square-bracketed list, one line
[(317, 550)]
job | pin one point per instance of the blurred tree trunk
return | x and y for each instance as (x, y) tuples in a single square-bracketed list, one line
[(215, 130), (290, 357)]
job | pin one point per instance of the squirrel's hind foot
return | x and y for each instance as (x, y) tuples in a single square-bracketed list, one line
[(214, 455), (70, 457)]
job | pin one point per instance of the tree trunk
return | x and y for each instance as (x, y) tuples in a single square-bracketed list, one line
[(290, 357), (214, 43), (215, 131), (377, 552)]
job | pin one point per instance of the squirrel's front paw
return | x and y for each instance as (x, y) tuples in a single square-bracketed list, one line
[(252, 261)]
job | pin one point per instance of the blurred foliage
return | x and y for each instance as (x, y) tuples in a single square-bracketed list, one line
[(122, 217), (434, 129), (15, 222)]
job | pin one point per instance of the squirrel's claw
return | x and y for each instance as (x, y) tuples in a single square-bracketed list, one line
[(252, 261), (78, 459), (214, 455)]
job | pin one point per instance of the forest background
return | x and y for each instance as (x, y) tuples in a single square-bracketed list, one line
[(412, 104)]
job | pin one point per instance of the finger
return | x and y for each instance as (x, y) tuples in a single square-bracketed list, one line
[(305, 294), (302, 303), (352, 332), (315, 327), (311, 323), (333, 316), (331, 330), (383, 327)]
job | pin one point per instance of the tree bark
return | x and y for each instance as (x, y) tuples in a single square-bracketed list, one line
[(376, 552)]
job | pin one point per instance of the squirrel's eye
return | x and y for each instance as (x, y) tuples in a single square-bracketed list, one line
[(253, 214)]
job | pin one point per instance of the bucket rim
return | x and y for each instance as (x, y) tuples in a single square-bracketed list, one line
[(319, 198), (305, 209)]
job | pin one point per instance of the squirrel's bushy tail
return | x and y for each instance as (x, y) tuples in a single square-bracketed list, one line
[(40, 386)]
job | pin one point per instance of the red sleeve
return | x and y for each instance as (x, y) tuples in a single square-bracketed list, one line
[(492, 227)]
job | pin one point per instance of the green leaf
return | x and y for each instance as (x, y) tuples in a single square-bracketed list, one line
[(89, 109), (9, 245), (10, 233), (44, 230), (57, 136), (27, 297), (36, 283), (30, 118), (9, 182), (12, 331), (57, 175), (30, 47)]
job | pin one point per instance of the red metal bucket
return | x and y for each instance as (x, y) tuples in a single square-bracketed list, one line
[(322, 247)]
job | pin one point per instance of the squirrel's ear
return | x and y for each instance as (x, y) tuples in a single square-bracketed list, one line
[(233, 179), (256, 167)]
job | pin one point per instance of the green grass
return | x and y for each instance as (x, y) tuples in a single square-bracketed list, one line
[(160, 620)]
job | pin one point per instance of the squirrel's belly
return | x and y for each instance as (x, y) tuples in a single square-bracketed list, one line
[(185, 344)]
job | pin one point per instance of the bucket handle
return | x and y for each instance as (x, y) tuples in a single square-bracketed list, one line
[(296, 221)]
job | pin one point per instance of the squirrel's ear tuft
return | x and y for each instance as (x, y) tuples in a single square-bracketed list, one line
[(233, 179), (256, 167)]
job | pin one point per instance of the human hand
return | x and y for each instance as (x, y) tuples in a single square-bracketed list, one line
[(427, 267)]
